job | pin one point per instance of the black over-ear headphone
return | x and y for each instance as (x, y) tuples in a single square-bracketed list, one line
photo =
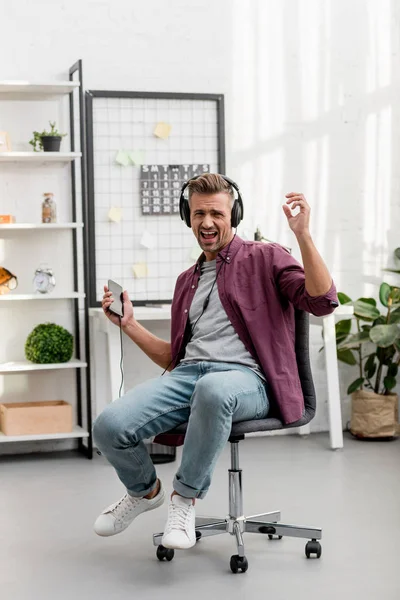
[(237, 208)]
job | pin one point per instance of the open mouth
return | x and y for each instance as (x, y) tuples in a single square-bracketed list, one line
[(208, 235)]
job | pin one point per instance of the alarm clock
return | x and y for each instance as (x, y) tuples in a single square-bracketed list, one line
[(44, 280)]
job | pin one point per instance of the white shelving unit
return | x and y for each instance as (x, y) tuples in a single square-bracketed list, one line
[(27, 91)]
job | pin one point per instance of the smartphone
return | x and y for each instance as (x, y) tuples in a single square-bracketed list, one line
[(117, 307)]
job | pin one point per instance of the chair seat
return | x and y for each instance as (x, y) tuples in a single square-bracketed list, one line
[(241, 427), (253, 426)]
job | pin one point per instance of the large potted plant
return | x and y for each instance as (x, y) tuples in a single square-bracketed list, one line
[(48, 141), (370, 341)]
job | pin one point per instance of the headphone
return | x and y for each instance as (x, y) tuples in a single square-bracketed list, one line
[(237, 208)]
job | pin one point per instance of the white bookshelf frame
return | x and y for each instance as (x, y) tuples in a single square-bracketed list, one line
[(28, 91)]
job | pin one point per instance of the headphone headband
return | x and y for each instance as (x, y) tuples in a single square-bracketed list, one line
[(237, 208)]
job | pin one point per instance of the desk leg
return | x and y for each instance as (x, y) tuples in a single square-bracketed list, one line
[(332, 373)]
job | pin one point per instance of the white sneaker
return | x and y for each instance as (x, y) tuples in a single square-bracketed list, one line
[(180, 530), (120, 515)]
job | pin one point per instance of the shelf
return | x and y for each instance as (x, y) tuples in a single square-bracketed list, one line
[(41, 226), (38, 157), (77, 432), (50, 296), (24, 90), (21, 366)]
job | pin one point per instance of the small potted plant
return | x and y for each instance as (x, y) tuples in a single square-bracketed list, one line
[(373, 346), (48, 141)]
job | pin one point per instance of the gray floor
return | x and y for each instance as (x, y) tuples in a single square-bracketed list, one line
[(48, 549)]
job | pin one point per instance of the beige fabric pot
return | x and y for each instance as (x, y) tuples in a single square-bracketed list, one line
[(373, 415)]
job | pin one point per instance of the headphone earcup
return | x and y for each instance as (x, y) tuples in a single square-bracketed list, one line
[(237, 211), (184, 209), (186, 213)]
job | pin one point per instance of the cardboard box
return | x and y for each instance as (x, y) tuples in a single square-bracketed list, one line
[(32, 418), (5, 219)]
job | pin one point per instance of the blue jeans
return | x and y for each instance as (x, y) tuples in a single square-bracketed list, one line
[(209, 395)]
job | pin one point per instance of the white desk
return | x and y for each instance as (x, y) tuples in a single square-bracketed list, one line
[(100, 325)]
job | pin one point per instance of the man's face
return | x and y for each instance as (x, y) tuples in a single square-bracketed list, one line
[(210, 217)]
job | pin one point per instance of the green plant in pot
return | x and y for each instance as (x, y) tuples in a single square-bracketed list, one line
[(48, 141), (370, 341), (49, 343)]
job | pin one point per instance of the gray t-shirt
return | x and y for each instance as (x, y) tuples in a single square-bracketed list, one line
[(213, 337)]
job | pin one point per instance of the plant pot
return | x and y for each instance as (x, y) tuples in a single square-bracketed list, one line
[(51, 143), (374, 416)]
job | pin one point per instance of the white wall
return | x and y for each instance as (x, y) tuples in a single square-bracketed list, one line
[(314, 107), (311, 92)]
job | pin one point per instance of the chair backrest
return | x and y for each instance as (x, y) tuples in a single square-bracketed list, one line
[(302, 348)]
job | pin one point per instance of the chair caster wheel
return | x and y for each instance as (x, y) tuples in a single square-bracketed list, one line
[(239, 562), (166, 553), (313, 547), (198, 536), (274, 537)]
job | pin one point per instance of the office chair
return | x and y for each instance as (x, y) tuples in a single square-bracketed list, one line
[(265, 523)]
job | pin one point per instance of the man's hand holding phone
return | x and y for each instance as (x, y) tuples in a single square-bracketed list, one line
[(127, 308)]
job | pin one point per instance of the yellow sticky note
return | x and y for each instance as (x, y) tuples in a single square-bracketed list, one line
[(115, 214), (122, 158), (140, 270), (195, 252), (162, 130), (136, 157)]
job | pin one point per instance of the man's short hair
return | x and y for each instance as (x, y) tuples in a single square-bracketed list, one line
[(210, 183)]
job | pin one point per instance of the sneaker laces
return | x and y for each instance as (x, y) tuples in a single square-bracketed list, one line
[(123, 507), (178, 516)]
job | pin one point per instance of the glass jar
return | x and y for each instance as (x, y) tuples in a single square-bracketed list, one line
[(49, 210)]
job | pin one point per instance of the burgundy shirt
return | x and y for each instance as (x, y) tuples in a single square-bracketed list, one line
[(259, 285)]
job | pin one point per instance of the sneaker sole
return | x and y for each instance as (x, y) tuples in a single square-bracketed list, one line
[(176, 547)]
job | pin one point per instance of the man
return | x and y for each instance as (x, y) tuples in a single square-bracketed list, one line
[(231, 356)]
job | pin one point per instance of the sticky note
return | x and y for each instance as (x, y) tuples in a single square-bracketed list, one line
[(162, 130), (139, 270), (136, 157), (147, 241), (115, 214), (195, 252), (122, 158)]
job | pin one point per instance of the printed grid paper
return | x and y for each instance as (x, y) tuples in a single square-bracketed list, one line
[(160, 186), (127, 124)]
